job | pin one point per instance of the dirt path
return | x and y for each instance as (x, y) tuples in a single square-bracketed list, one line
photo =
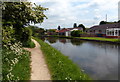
[(39, 69)]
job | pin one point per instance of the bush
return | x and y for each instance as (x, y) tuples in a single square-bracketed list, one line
[(16, 62), (26, 35), (29, 44), (26, 38), (76, 33)]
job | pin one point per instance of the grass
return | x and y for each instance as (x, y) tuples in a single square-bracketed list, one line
[(101, 39), (60, 66), (93, 38), (20, 71)]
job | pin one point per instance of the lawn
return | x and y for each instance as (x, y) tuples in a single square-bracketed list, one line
[(100, 39)]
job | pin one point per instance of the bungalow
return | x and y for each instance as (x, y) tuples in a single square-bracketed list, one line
[(106, 30), (67, 31)]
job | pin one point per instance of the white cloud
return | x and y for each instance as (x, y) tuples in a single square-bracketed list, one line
[(67, 12)]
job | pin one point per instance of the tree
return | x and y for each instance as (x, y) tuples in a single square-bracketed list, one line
[(75, 25), (81, 25), (76, 33), (59, 28), (119, 21), (103, 22), (36, 30), (21, 14)]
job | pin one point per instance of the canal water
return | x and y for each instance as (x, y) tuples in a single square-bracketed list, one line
[(98, 60)]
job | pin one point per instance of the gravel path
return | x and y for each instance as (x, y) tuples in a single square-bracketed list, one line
[(39, 69)]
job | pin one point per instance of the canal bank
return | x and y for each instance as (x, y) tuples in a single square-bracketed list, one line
[(98, 59), (60, 66), (95, 39)]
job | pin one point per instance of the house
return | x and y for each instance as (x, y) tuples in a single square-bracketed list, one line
[(105, 30), (67, 31)]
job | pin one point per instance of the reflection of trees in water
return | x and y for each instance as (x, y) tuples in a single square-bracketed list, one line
[(52, 40), (42, 38), (76, 42), (62, 40)]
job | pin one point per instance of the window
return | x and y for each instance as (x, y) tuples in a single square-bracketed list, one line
[(90, 30), (116, 33), (113, 33), (119, 32), (110, 32), (100, 31)]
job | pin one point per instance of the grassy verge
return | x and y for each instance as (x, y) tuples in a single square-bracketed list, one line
[(92, 38), (60, 66), (101, 39), (15, 67)]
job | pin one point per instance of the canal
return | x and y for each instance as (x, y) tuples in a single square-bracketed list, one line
[(98, 60)]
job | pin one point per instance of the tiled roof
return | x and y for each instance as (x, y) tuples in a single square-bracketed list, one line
[(64, 30), (68, 29), (105, 26)]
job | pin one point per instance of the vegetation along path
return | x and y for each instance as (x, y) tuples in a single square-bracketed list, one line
[(39, 69)]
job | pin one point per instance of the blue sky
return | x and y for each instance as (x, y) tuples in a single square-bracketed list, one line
[(67, 12)]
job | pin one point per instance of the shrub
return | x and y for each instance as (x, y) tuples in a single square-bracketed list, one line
[(26, 35), (29, 44), (26, 38), (16, 62), (76, 33)]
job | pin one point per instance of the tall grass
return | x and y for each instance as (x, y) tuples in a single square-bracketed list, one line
[(60, 66)]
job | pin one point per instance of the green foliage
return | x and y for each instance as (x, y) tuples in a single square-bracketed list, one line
[(22, 13), (19, 14), (8, 35), (16, 62), (26, 38), (51, 30), (100, 39), (37, 31), (60, 66), (119, 21), (76, 33), (75, 25), (26, 34), (29, 44), (104, 22), (59, 28), (81, 25)]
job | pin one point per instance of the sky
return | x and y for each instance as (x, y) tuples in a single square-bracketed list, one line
[(65, 13)]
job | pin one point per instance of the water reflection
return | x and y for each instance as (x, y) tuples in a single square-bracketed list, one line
[(42, 38), (99, 60), (62, 40), (51, 40), (76, 42)]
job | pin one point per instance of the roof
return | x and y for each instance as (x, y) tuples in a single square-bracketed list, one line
[(64, 30), (68, 29), (105, 26)]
